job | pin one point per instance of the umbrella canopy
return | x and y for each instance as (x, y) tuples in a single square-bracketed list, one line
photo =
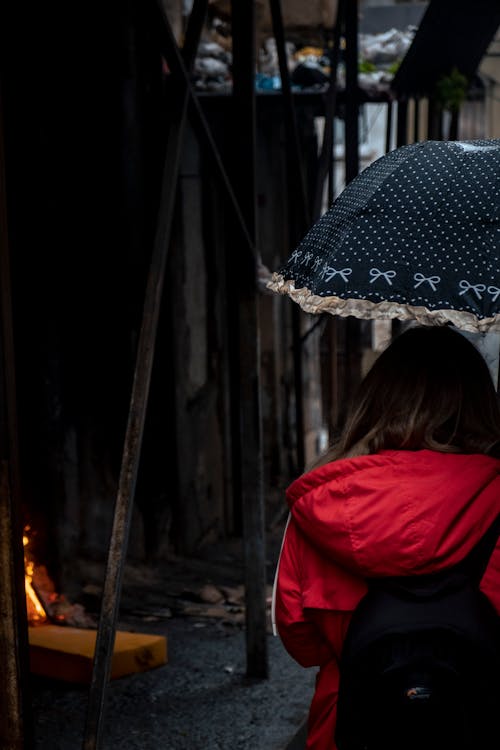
[(415, 236)]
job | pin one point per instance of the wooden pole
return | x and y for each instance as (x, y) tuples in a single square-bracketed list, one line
[(352, 90), (325, 160), (15, 710), (402, 123)]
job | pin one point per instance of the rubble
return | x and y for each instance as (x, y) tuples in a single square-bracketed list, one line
[(202, 698)]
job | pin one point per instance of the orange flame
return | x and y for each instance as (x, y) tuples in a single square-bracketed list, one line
[(35, 608)]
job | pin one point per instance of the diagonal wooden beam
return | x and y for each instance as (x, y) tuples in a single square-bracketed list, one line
[(138, 407)]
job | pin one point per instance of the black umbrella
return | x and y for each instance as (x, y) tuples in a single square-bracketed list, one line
[(415, 236)]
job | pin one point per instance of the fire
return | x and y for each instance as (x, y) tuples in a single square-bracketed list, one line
[(43, 602), (35, 608)]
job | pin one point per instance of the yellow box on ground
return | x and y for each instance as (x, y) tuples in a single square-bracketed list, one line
[(66, 653)]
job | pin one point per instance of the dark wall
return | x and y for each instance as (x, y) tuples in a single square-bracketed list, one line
[(82, 99), (86, 102)]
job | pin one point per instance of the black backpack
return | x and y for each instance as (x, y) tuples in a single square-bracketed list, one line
[(420, 665)]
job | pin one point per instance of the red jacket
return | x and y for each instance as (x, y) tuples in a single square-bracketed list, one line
[(393, 513)]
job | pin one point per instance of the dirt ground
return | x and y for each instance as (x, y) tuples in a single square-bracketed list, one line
[(201, 699)]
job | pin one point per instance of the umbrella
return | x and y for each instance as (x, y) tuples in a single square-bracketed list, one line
[(415, 236)]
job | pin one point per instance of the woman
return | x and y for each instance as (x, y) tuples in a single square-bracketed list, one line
[(410, 488)]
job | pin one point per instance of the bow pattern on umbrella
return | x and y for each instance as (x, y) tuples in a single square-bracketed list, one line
[(415, 236)]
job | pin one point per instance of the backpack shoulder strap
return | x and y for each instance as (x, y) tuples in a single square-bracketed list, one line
[(476, 562), (471, 568)]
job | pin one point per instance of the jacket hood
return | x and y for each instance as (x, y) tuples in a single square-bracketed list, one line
[(397, 512)]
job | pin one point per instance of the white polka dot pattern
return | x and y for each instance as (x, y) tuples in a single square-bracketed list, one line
[(418, 227)]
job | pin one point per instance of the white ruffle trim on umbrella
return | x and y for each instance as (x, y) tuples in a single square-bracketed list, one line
[(387, 310)]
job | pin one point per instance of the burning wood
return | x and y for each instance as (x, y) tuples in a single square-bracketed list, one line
[(43, 602), (36, 610)]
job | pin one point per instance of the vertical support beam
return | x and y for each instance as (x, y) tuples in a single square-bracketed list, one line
[(178, 65), (352, 90), (252, 495), (298, 375), (453, 127), (402, 123), (325, 161), (388, 127), (434, 120), (416, 119), (333, 335), (326, 170), (298, 216), (353, 326), (15, 714), (300, 198)]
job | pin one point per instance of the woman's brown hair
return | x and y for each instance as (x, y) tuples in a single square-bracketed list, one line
[(431, 388)]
